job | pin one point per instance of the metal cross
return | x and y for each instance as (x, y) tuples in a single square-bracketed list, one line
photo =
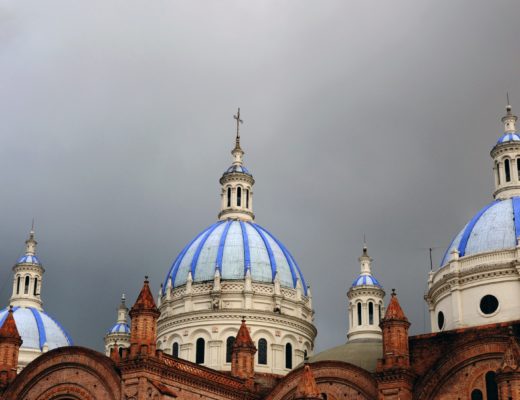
[(239, 121)]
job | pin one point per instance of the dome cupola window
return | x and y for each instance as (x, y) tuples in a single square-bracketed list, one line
[(489, 304), (175, 350), (200, 348), (440, 320), (288, 356), (229, 348), (262, 352)]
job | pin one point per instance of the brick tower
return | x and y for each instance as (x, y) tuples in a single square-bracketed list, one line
[(508, 375), (143, 331), (307, 388), (243, 355), (393, 370), (10, 342)]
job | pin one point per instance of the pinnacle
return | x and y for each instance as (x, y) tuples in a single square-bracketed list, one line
[(394, 310), (307, 388), (9, 329)]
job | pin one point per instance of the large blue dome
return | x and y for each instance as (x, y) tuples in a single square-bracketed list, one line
[(495, 227), (234, 247), (37, 329)]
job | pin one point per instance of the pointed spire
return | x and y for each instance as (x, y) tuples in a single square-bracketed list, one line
[(122, 311), (243, 338), (307, 387), (145, 301), (394, 310), (237, 152), (30, 243), (365, 260), (509, 120), (9, 329)]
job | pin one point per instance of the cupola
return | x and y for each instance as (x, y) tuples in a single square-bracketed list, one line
[(365, 302), (237, 183), (506, 157)]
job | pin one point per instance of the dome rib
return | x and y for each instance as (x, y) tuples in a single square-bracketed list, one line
[(247, 254), (469, 228), (272, 260), (516, 215), (41, 329), (221, 245), (196, 256)]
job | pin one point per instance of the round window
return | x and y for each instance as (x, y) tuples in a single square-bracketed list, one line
[(488, 304), (440, 320)]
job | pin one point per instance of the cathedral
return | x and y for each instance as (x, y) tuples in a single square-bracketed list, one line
[(233, 318)]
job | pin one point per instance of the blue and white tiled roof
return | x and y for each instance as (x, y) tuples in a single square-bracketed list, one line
[(234, 247), (509, 137), (28, 259), (37, 328), (495, 227), (120, 328), (237, 168), (366, 280)]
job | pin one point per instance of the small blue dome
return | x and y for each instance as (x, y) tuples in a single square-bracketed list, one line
[(366, 280), (120, 328), (234, 247), (237, 168), (27, 259), (509, 137), (495, 227), (37, 328)]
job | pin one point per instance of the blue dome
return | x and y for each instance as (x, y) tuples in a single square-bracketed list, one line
[(234, 247), (27, 259), (237, 168), (37, 328), (495, 227), (366, 280), (509, 137), (120, 328)]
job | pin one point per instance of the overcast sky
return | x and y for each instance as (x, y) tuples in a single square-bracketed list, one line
[(371, 117)]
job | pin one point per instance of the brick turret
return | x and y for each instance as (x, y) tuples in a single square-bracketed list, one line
[(143, 331), (10, 342), (243, 355), (307, 389), (394, 378), (508, 375)]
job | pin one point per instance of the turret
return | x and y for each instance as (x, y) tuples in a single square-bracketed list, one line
[(243, 354), (506, 159), (237, 185), (10, 342), (144, 315), (27, 277), (307, 388), (365, 298), (119, 335)]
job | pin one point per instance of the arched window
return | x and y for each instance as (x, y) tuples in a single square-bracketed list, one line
[(35, 289), (120, 351), (491, 386), (507, 169), (200, 347), (476, 395), (262, 352), (371, 313), (18, 285), (229, 197), (359, 314), (247, 196), (175, 350), (288, 356), (229, 348), (26, 288), (379, 308), (239, 196), (518, 168), (498, 173)]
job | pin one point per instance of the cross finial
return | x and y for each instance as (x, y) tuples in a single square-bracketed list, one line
[(507, 95), (239, 121)]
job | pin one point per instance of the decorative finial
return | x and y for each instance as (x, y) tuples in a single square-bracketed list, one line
[(243, 318), (146, 278), (123, 298), (239, 121), (393, 293)]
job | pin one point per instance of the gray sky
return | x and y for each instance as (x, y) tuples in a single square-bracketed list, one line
[(360, 117)]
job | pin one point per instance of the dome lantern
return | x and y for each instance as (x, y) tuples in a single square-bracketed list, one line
[(237, 183), (506, 157)]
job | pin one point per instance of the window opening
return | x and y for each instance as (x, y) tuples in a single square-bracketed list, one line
[(35, 290), (288, 356), (229, 197), (262, 352), (239, 197), (371, 313), (491, 386), (200, 348), (175, 350), (247, 196), (359, 313), (26, 288), (229, 348), (18, 285), (507, 169)]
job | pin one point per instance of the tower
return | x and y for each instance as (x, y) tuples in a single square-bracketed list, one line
[(243, 355), (366, 306), (119, 335), (307, 388), (143, 332), (506, 159), (27, 277), (10, 342)]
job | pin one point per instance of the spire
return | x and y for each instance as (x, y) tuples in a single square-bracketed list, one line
[(122, 311), (394, 310), (307, 387), (237, 152), (243, 355), (365, 260), (243, 338), (30, 243), (509, 120), (9, 329), (145, 301)]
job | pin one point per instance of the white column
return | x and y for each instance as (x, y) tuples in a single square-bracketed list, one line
[(185, 351), (278, 359), (214, 357)]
